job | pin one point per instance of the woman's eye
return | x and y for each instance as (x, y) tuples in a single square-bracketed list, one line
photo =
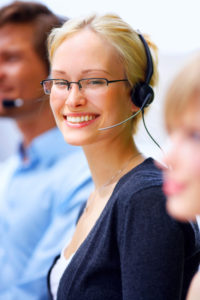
[(96, 82), (61, 83)]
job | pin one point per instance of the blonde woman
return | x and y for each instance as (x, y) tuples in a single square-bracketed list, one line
[(125, 246), (182, 179)]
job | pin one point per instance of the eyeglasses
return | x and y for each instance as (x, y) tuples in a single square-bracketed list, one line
[(86, 85)]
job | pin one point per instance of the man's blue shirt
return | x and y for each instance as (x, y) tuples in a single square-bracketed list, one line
[(41, 192)]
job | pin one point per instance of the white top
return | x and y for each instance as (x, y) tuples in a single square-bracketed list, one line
[(57, 272)]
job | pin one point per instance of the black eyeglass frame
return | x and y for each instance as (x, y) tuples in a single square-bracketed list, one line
[(68, 83)]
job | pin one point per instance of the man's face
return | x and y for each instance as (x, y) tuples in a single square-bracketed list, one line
[(21, 70)]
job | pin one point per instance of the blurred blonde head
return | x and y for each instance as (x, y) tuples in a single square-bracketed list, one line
[(184, 88), (122, 37), (182, 117)]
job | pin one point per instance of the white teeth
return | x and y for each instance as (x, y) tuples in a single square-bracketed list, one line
[(79, 119)]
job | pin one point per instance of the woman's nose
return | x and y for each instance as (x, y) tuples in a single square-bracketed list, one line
[(75, 96)]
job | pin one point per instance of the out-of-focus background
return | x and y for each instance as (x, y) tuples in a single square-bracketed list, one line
[(174, 27)]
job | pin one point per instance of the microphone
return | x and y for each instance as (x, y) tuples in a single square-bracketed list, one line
[(10, 103), (122, 122), (13, 103)]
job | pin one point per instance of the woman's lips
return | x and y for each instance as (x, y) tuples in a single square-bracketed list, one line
[(171, 187)]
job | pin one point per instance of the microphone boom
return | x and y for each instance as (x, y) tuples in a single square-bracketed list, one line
[(122, 122)]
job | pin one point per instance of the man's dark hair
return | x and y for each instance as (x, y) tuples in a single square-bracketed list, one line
[(36, 15)]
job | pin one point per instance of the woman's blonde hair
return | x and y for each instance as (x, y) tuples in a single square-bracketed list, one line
[(123, 38), (183, 89)]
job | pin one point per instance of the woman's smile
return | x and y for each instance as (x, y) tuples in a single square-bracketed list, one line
[(79, 120)]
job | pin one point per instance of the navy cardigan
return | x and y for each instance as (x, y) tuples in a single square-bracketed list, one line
[(135, 250)]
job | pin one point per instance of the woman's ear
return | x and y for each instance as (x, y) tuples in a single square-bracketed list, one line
[(134, 107)]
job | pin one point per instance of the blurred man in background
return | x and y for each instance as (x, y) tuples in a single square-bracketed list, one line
[(43, 185)]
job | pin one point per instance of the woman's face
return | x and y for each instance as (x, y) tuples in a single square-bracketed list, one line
[(80, 113), (182, 179)]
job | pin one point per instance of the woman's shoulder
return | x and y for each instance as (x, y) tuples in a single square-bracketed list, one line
[(146, 173), (139, 194), (139, 181), (140, 201)]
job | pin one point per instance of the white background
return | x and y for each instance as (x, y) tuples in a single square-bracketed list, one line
[(174, 25)]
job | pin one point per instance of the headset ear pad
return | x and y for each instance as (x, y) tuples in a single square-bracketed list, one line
[(142, 94)]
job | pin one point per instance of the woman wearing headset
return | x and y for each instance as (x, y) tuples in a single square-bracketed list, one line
[(125, 246), (182, 179)]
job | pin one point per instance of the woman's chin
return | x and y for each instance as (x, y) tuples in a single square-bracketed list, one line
[(72, 141), (180, 210)]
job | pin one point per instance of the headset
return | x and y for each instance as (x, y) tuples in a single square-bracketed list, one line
[(142, 94)]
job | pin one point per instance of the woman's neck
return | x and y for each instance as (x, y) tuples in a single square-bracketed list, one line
[(108, 163)]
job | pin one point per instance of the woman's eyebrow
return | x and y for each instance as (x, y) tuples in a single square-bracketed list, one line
[(83, 72), (95, 70), (58, 72)]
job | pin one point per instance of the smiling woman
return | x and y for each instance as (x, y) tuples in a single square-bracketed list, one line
[(99, 66), (103, 97)]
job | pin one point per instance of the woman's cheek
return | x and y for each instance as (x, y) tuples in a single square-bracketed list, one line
[(196, 166), (194, 161), (55, 104), (56, 110)]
